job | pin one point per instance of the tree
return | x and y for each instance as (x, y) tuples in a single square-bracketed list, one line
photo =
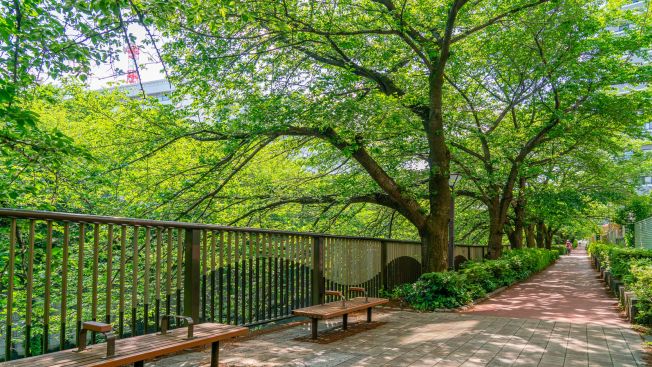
[(363, 76), (533, 104), (44, 40)]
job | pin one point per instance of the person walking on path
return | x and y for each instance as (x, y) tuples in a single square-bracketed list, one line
[(569, 247)]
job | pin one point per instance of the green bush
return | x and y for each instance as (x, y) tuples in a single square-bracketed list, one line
[(641, 284), (621, 258), (474, 280), (436, 290), (632, 266), (478, 273), (559, 248), (599, 250)]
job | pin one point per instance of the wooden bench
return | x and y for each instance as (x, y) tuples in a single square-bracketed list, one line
[(138, 349), (343, 308)]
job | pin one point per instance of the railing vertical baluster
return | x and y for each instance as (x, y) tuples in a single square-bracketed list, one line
[(229, 250), (277, 281), (285, 289), (109, 270), (250, 291), (257, 254), (297, 270), (64, 285), (260, 239), (192, 274), (236, 292), (291, 262), (168, 274), (265, 271), (157, 279), (268, 289), (221, 262), (204, 270), (80, 278), (213, 274), (123, 259), (10, 288), (302, 270), (383, 266), (146, 276), (317, 271), (96, 261), (289, 270), (30, 289), (48, 282), (179, 268), (243, 291), (134, 282)]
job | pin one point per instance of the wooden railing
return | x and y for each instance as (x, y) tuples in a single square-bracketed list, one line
[(60, 269)]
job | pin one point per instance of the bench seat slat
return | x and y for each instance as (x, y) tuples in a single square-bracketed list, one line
[(134, 349), (335, 309)]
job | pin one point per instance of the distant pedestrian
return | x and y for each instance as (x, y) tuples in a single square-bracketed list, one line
[(569, 247)]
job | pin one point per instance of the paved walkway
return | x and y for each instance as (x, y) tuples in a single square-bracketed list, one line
[(549, 325), (569, 290)]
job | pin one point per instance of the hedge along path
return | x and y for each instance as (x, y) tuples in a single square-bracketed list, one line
[(567, 291)]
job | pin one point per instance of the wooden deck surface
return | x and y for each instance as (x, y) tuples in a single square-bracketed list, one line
[(334, 309), (134, 349)]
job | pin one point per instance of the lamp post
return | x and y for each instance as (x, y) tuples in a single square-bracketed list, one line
[(452, 180)]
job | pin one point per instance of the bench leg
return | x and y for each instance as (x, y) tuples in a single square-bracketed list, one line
[(345, 321), (369, 314), (139, 364), (313, 328), (215, 354)]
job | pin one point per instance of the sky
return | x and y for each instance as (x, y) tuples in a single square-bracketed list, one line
[(151, 68)]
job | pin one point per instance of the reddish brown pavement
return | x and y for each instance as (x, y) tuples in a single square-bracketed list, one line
[(569, 290)]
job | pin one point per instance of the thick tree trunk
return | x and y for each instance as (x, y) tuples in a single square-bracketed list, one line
[(529, 236), (434, 244), (496, 230), (519, 216), (549, 235), (541, 235), (511, 236)]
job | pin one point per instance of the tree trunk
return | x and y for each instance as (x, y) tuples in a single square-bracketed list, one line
[(434, 244), (519, 216), (511, 236), (529, 236), (549, 235), (541, 229), (496, 230)]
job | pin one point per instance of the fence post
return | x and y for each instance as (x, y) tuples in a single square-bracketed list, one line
[(383, 266), (191, 282), (317, 289)]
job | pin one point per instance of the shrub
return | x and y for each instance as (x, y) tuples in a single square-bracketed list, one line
[(474, 280), (561, 249), (632, 266), (621, 258), (641, 284), (599, 250), (477, 273), (437, 290)]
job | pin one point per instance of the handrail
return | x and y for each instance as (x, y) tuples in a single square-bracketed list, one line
[(86, 218)]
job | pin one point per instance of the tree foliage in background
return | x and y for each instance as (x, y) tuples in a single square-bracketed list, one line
[(344, 117)]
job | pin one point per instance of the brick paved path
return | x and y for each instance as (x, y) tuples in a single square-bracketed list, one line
[(567, 291), (561, 318)]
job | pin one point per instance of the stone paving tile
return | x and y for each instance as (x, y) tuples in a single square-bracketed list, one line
[(435, 339), (481, 339)]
